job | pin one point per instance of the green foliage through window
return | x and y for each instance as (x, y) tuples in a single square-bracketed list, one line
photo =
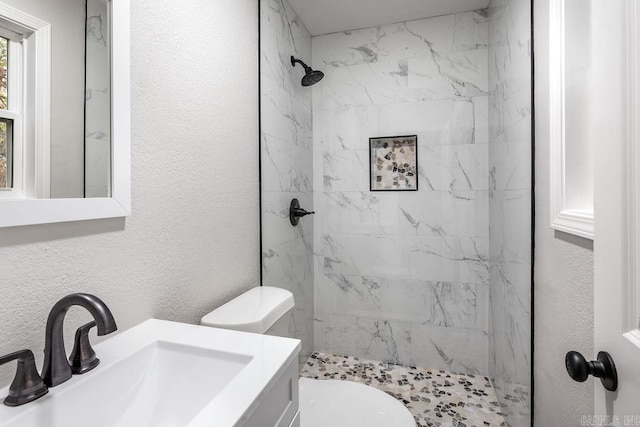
[(4, 44)]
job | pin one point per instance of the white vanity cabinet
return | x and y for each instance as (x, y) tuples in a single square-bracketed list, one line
[(279, 406)]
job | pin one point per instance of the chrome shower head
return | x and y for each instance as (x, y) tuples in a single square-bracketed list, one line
[(311, 76)]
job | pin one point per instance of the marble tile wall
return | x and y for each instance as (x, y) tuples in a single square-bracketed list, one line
[(403, 277), (510, 205), (286, 150), (97, 102)]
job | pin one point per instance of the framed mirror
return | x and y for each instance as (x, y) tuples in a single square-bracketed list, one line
[(64, 111)]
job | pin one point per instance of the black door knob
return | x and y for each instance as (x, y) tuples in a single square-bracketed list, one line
[(604, 368)]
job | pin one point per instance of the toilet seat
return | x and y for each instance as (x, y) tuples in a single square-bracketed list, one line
[(337, 403)]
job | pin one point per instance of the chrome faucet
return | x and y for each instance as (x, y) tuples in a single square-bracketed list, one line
[(56, 369)]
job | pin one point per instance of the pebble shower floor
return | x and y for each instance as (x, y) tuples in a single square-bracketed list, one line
[(435, 398)]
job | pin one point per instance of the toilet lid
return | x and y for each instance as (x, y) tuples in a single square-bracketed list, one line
[(348, 404), (254, 311)]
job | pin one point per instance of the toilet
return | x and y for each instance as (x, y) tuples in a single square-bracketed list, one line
[(323, 403)]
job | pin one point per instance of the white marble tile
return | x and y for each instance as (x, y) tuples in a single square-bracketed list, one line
[(345, 48), (513, 277), (482, 213), (288, 264), (458, 260), (276, 164), (456, 350), (510, 223), (454, 168), (452, 305), (318, 175), (450, 75), (464, 37), (481, 120), (302, 167), (287, 162), (345, 170), (471, 31), (97, 167), (345, 128), (364, 85), (444, 122), (481, 28), (276, 227), (381, 340), (282, 35), (365, 255), (508, 110), (301, 327), (463, 31), (347, 295), (282, 116), (511, 165), (416, 38), (483, 307), (443, 34), (430, 213), (97, 119), (393, 266), (348, 212), (510, 203)]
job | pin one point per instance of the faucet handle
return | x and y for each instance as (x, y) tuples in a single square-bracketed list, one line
[(27, 385), (83, 358)]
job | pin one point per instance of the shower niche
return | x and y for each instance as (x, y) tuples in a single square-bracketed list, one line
[(438, 277)]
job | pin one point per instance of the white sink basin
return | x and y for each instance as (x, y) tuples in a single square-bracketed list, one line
[(164, 374)]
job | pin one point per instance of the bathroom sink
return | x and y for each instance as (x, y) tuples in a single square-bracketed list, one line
[(163, 373)]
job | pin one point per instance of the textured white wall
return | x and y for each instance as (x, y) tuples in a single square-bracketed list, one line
[(563, 279), (192, 240)]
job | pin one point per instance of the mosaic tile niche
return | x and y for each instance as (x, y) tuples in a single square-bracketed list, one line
[(394, 164)]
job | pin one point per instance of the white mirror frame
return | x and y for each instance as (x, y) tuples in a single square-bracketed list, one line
[(16, 212), (563, 218)]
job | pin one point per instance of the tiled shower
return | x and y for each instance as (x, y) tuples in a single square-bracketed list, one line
[(440, 277)]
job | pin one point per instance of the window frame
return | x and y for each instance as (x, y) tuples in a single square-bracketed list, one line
[(29, 100), (14, 112)]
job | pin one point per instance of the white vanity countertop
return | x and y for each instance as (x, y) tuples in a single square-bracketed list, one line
[(258, 359)]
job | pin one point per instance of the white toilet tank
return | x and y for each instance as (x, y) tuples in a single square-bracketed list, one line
[(261, 310)]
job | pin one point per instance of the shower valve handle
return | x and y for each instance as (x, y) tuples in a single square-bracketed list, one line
[(296, 212), (301, 212)]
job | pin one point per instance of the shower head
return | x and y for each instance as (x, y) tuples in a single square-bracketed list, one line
[(311, 77)]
